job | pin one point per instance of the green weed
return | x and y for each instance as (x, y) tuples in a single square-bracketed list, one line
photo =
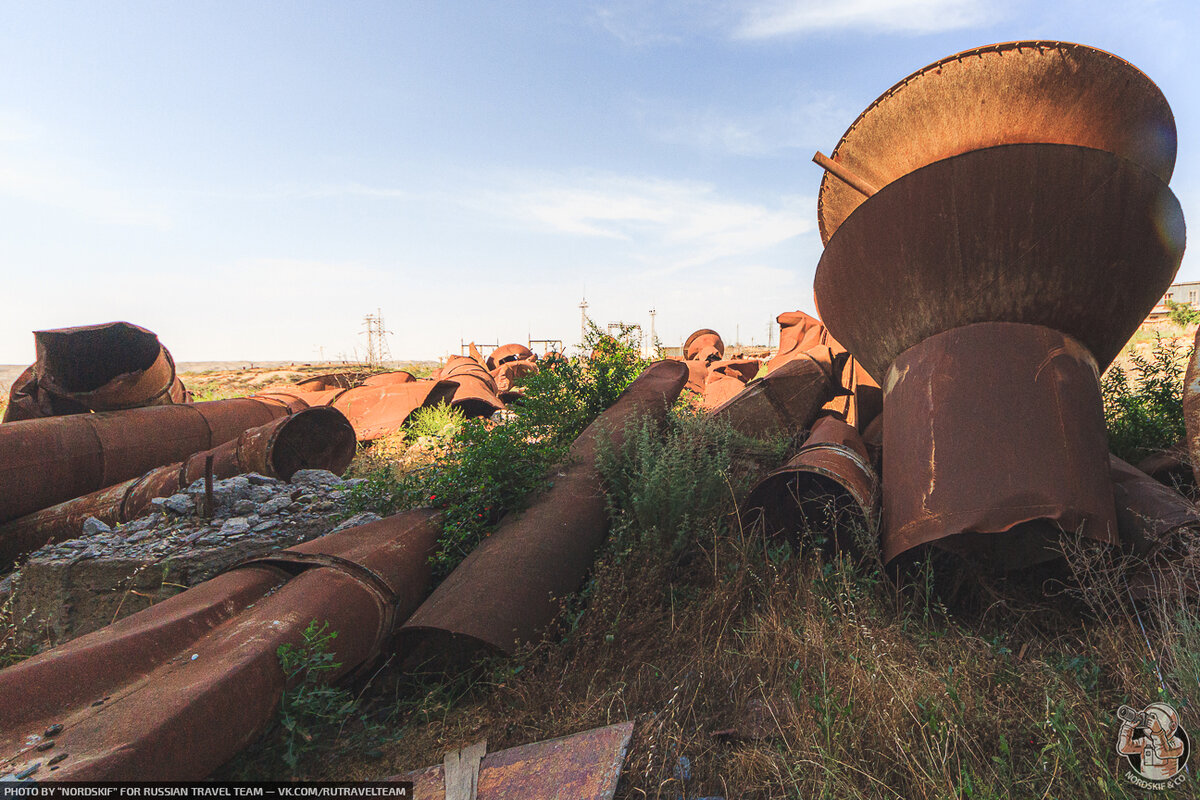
[(1143, 408)]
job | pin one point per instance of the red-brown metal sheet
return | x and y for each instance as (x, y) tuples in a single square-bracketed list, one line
[(697, 376), (995, 441), (317, 438), (333, 380), (508, 589), (174, 691), (1159, 527), (508, 374), (509, 352), (389, 378), (827, 489), (786, 400), (1015, 92), (798, 333), (47, 461), (377, 411), (1009, 233), (582, 766)]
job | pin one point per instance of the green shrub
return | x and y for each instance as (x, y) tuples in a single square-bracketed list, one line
[(442, 421), (1143, 408), (1182, 314), (490, 468)]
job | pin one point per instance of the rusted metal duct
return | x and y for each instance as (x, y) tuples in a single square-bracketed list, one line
[(332, 380), (476, 395), (509, 373), (828, 489), (726, 379), (377, 411), (1171, 466), (992, 420), (582, 766), (389, 378), (174, 691), (509, 352), (697, 376), (704, 345), (306, 399), (316, 438), (798, 332), (1159, 527), (1033, 91), (508, 590), (786, 400), (105, 367), (47, 461)]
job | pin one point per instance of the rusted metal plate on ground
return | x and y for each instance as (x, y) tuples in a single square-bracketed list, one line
[(509, 589), (582, 766), (509, 352), (704, 345), (1016, 92), (377, 411), (317, 438), (174, 691), (827, 490), (47, 461), (786, 400), (1009, 233), (994, 441)]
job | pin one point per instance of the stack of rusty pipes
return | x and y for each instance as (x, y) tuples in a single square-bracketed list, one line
[(961, 213)]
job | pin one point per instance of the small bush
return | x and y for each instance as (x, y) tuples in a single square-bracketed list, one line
[(1182, 314), (1143, 408)]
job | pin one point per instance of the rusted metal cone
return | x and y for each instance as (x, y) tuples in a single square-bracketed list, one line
[(704, 345), (377, 411), (786, 400), (827, 490), (105, 367), (47, 461), (995, 443), (509, 588), (1034, 91), (172, 692), (1159, 527), (582, 766), (476, 395), (317, 438)]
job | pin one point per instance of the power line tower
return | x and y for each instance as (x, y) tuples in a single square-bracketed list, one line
[(583, 307), (377, 345)]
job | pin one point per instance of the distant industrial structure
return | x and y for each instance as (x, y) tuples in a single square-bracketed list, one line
[(1187, 293)]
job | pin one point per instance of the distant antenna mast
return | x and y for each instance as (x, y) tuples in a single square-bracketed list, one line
[(652, 339), (583, 307), (377, 345)]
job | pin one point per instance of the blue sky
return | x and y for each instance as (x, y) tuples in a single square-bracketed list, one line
[(249, 179)]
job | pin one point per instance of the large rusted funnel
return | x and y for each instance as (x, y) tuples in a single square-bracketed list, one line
[(172, 692), (47, 461), (476, 395), (510, 587), (105, 367), (704, 345), (316, 438), (1015, 92), (987, 289)]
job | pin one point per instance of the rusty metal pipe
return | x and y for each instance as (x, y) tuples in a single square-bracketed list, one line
[(844, 173), (47, 461), (174, 691), (786, 400), (508, 589), (316, 438)]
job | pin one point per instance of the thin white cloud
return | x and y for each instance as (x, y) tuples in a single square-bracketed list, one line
[(661, 224), (76, 190), (773, 18)]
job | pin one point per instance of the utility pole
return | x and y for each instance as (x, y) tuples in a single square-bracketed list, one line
[(652, 339), (583, 306)]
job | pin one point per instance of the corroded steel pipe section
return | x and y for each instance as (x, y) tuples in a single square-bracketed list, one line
[(704, 345), (510, 373), (317, 438), (476, 394), (389, 378), (726, 379), (377, 411), (827, 489), (508, 589), (509, 352), (47, 461), (105, 367), (786, 400), (1159, 527), (332, 380), (1034, 91), (172, 692), (995, 442), (798, 333)]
